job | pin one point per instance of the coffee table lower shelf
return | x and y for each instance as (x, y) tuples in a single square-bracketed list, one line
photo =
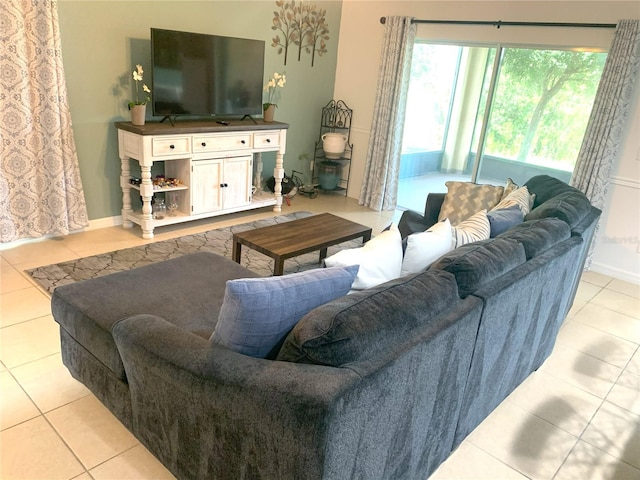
[(297, 237)]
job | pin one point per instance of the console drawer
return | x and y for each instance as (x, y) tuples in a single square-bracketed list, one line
[(266, 140), (170, 146), (217, 143)]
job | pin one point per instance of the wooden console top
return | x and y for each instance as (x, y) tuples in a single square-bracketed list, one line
[(199, 126)]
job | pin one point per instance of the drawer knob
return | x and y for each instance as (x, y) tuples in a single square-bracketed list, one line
[(172, 147), (222, 185), (268, 140), (204, 144), (242, 142)]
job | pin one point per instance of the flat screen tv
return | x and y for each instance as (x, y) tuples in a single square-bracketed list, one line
[(205, 75)]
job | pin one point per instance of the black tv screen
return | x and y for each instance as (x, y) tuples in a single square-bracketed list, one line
[(200, 74)]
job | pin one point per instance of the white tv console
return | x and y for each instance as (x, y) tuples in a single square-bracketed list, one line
[(214, 162)]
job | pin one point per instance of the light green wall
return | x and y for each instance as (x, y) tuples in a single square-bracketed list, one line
[(103, 40)]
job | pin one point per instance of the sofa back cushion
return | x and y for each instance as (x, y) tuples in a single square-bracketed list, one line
[(476, 264), (366, 324), (537, 236), (569, 206), (546, 187)]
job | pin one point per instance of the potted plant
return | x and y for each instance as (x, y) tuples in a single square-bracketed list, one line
[(139, 107), (278, 81)]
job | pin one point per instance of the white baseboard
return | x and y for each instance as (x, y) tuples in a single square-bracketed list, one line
[(616, 273), (93, 225), (104, 223)]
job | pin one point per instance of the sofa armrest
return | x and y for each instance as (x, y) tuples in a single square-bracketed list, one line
[(412, 222), (209, 412), (432, 207)]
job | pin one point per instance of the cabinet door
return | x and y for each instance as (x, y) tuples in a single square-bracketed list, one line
[(237, 181), (206, 191)]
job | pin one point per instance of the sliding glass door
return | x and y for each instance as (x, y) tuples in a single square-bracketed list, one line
[(484, 114)]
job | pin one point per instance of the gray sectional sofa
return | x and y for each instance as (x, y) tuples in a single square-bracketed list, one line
[(380, 384)]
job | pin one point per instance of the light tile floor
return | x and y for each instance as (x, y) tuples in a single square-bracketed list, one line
[(576, 418)]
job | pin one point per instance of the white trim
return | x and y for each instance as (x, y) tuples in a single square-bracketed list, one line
[(616, 273), (93, 225), (626, 182), (104, 223)]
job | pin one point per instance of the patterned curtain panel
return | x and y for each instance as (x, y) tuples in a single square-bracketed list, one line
[(40, 188), (380, 183), (608, 121)]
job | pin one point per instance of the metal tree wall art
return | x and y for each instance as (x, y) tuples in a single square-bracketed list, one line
[(303, 27)]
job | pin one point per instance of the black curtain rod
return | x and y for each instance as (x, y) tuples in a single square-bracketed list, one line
[(500, 23)]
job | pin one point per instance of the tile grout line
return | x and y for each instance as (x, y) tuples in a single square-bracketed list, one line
[(511, 467), (604, 399), (44, 417)]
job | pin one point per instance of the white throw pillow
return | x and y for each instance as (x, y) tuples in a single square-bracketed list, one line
[(424, 248), (380, 259), (473, 229)]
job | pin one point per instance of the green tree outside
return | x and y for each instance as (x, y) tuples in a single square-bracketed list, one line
[(542, 104)]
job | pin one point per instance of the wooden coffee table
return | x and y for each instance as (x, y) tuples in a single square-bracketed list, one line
[(296, 237)]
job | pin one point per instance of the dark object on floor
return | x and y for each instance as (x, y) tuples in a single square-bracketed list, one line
[(287, 186)]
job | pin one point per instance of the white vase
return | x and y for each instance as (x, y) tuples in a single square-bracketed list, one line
[(138, 112), (334, 144)]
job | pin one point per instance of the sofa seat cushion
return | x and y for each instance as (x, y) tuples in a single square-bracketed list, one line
[(365, 324), (537, 236), (257, 313), (88, 310), (570, 206), (476, 264)]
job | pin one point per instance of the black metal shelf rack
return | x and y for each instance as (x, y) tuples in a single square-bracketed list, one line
[(336, 118)]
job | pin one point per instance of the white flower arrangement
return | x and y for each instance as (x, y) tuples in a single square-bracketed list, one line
[(137, 77), (279, 80)]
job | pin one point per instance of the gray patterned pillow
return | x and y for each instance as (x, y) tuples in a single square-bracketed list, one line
[(463, 199)]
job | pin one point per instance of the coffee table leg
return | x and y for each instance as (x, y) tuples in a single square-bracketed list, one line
[(323, 254), (366, 237), (278, 266), (236, 251)]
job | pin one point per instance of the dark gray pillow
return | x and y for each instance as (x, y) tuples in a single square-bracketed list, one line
[(537, 236), (365, 324), (478, 263), (503, 219), (570, 207)]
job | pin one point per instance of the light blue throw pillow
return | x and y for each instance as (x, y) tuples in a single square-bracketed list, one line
[(503, 219), (258, 313)]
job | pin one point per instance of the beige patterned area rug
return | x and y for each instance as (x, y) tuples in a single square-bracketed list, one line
[(216, 241)]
